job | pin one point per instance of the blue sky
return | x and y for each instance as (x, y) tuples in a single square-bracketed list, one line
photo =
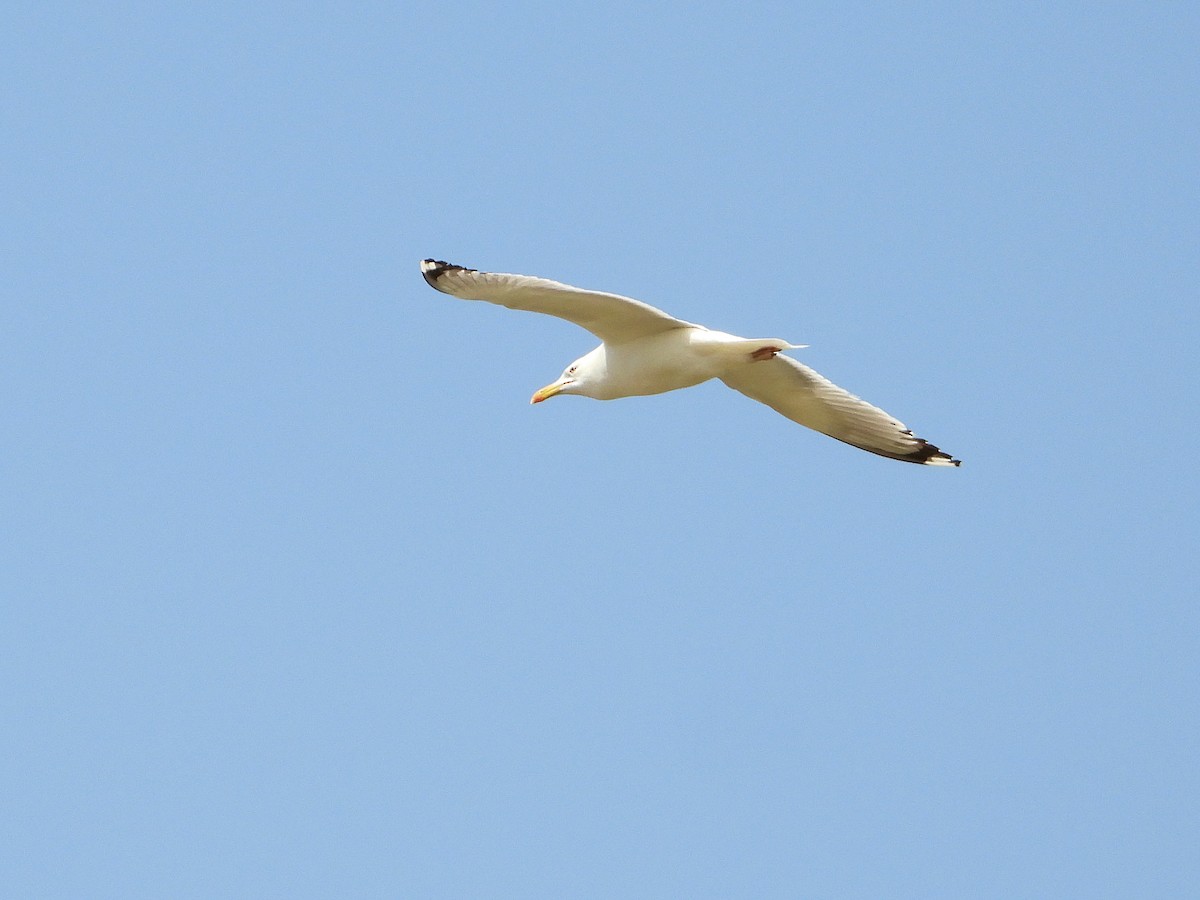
[(302, 598)]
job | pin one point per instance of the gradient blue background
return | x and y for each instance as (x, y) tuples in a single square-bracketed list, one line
[(302, 598)]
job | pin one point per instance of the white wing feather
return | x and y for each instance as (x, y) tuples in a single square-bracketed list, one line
[(797, 392), (610, 317)]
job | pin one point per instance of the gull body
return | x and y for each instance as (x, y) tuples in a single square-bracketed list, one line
[(658, 363), (645, 351)]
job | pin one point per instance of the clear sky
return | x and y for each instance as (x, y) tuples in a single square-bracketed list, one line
[(301, 597)]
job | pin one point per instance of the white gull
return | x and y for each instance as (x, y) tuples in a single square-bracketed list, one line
[(645, 351)]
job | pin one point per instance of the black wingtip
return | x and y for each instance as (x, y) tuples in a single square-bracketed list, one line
[(433, 269), (929, 455)]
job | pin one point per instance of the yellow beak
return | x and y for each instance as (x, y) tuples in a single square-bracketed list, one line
[(549, 391)]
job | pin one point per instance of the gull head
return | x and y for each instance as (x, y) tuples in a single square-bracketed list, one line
[(581, 377)]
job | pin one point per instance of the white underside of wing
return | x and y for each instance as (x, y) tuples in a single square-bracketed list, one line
[(610, 317), (802, 395)]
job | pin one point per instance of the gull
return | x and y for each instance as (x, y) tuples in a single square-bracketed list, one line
[(645, 351)]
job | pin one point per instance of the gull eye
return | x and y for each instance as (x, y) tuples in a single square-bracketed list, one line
[(571, 371)]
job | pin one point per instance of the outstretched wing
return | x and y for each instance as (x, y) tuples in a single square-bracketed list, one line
[(610, 317), (796, 391)]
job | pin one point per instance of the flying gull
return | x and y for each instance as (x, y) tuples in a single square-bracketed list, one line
[(645, 351)]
